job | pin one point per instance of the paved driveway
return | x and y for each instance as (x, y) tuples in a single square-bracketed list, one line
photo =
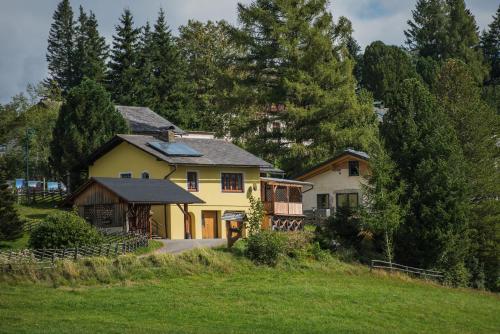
[(178, 246)]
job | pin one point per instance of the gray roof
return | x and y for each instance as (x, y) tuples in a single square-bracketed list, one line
[(278, 180), (361, 154), (144, 190), (145, 120), (215, 152)]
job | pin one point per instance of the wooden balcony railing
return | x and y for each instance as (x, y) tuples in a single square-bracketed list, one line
[(283, 208)]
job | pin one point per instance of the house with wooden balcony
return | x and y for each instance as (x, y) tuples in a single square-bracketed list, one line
[(282, 201)]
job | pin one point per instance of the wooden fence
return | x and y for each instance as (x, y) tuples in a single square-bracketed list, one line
[(116, 244), (412, 271), (33, 196)]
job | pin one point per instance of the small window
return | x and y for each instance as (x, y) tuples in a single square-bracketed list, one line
[(192, 181), (127, 175), (276, 127), (353, 168), (232, 182), (347, 200), (145, 175), (323, 201)]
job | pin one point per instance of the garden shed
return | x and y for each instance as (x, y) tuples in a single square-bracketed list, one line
[(125, 204)]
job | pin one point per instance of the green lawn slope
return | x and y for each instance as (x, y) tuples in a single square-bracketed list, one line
[(207, 291)]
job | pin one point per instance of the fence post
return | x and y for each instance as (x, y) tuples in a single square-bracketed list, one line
[(76, 253), (64, 253), (43, 253), (116, 249), (123, 247)]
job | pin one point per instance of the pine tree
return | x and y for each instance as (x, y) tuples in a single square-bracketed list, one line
[(169, 97), (87, 120), (123, 75), (210, 53), (476, 125), (424, 146), (297, 72), (443, 29), (384, 69), (145, 66), (383, 212), (11, 226), (490, 42), (60, 50), (91, 50)]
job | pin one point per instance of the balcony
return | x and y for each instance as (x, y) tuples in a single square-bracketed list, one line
[(282, 197)]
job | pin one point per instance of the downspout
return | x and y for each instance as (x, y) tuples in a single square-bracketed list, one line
[(170, 173)]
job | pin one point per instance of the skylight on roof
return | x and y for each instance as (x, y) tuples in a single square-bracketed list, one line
[(175, 149)]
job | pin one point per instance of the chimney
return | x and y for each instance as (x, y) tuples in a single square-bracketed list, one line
[(167, 135)]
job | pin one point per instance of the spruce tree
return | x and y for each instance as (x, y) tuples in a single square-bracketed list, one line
[(60, 50), (443, 29), (169, 88), (87, 120), (210, 53), (296, 72), (145, 66), (91, 50), (476, 125), (123, 74), (490, 43), (11, 226), (425, 148), (384, 69)]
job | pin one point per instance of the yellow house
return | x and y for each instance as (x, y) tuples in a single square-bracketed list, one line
[(216, 171), (336, 182)]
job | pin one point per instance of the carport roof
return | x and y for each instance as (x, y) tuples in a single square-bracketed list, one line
[(151, 191)]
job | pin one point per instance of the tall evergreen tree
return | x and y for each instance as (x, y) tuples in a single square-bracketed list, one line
[(123, 75), (297, 73), (384, 69), (145, 65), (87, 120), (60, 50), (169, 87), (210, 53), (443, 29), (91, 50), (490, 42), (423, 144), (11, 226), (476, 125)]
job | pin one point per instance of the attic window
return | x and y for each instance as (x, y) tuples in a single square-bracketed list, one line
[(126, 175), (145, 175), (353, 168)]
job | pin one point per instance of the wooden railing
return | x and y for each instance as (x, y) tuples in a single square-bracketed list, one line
[(394, 267), (283, 208)]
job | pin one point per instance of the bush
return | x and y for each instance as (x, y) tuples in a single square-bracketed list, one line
[(64, 229), (240, 247), (265, 247)]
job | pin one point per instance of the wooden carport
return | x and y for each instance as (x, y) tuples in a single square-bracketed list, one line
[(114, 202)]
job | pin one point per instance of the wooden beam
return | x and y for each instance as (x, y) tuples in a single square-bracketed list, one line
[(187, 218)]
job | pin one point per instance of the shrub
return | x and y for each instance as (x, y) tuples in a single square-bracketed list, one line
[(239, 248), (265, 247), (64, 229)]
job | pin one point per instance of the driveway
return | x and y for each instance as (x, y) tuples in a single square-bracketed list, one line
[(179, 246)]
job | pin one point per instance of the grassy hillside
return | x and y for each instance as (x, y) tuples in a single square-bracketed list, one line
[(215, 292)]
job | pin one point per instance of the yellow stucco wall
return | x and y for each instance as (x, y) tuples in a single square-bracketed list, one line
[(128, 158)]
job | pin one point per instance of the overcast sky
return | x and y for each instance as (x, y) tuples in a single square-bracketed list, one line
[(24, 26)]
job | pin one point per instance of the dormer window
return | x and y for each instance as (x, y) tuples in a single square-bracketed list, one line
[(145, 175), (126, 175), (353, 168)]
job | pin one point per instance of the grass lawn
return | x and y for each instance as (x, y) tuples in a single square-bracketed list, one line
[(152, 246), (30, 213), (219, 293)]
